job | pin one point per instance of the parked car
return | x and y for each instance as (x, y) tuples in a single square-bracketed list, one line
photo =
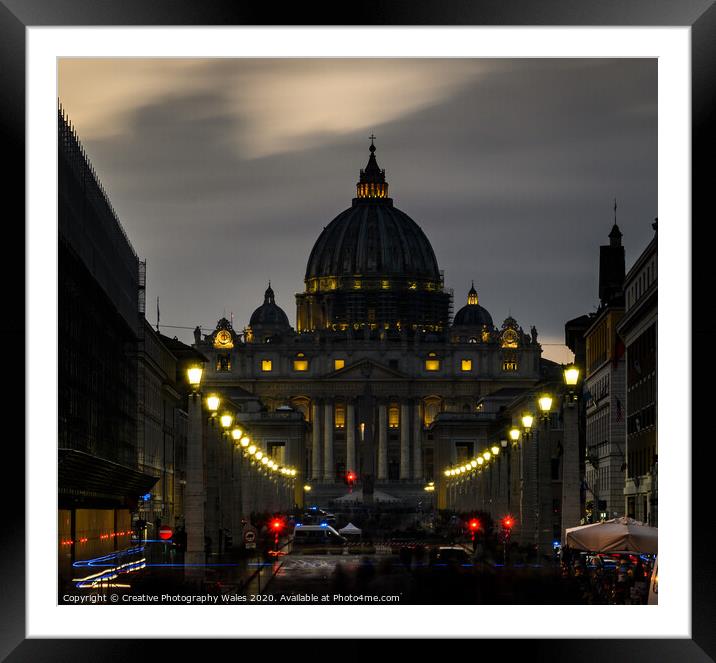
[(452, 556)]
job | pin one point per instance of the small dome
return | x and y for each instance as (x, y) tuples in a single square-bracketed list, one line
[(269, 313), (472, 315)]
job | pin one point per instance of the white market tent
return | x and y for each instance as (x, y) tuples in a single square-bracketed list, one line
[(350, 529), (619, 535), (357, 497)]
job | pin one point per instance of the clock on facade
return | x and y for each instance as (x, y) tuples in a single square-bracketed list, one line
[(223, 339)]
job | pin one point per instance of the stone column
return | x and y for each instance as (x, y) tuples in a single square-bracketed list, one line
[(195, 494), (417, 443), (571, 507), (329, 471), (316, 447), (382, 442), (351, 436), (405, 440)]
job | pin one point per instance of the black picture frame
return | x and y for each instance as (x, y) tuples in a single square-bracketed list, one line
[(700, 15)]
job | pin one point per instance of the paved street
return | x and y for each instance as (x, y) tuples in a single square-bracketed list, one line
[(413, 581)]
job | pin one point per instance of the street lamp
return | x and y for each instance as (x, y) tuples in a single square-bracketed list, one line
[(212, 403), (545, 404), (226, 420), (527, 420), (514, 435), (571, 378), (495, 449), (194, 373)]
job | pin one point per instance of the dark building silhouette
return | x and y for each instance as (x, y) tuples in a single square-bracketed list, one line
[(611, 268), (98, 319)]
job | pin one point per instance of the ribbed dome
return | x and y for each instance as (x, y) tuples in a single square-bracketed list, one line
[(269, 313), (373, 238), (472, 315)]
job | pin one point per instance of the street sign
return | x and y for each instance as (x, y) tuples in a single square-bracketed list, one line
[(249, 537), (165, 532)]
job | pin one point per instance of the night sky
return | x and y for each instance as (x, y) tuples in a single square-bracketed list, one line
[(224, 172)]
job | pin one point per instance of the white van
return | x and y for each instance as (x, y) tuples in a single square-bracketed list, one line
[(317, 537)]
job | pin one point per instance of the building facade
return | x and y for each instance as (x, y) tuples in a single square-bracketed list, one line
[(161, 424), (639, 331), (373, 325), (604, 390)]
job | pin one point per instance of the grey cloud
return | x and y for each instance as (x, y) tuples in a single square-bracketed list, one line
[(511, 173)]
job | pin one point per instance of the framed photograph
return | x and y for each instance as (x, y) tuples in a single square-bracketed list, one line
[(350, 326)]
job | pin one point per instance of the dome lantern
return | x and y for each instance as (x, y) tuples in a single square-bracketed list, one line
[(371, 184), (472, 296)]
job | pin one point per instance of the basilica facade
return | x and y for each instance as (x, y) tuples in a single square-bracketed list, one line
[(375, 356)]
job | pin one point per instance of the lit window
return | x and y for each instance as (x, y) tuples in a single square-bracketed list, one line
[(356, 284), (430, 411), (340, 416), (338, 364), (467, 364), (509, 365), (432, 363), (385, 285), (266, 365), (393, 416), (300, 363)]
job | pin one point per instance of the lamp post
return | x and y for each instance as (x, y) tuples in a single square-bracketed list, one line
[(571, 485), (195, 491), (544, 478), (529, 504), (514, 435)]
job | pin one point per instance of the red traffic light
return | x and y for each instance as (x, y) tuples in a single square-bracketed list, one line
[(508, 522), (276, 525), (350, 477), (474, 524)]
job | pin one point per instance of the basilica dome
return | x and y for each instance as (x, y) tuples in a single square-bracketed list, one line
[(373, 269), (372, 238)]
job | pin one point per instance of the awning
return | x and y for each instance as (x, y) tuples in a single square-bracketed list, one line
[(84, 475), (620, 535)]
